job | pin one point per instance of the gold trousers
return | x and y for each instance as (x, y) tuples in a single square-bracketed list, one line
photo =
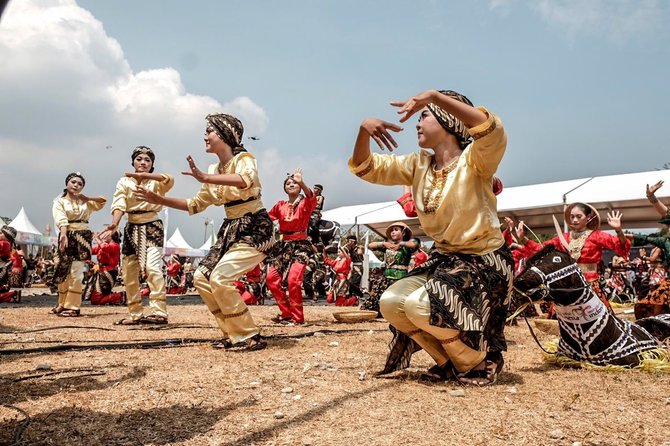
[(221, 295), (405, 305), (69, 290), (130, 268)]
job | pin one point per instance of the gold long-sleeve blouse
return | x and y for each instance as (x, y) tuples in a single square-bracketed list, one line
[(456, 208), (74, 213), (138, 211), (244, 164)]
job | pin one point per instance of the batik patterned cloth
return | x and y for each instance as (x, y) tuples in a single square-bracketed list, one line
[(78, 249), (469, 293), (138, 237), (255, 230)]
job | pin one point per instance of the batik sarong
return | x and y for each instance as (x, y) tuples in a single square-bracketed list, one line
[(78, 249), (139, 237), (255, 230), (469, 293)]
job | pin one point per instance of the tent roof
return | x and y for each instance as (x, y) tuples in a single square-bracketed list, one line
[(535, 204), (177, 241), (207, 245), (23, 224)]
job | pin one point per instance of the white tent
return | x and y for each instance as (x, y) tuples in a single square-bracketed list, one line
[(535, 204), (23, 224), (208, 244), (27, 233), (177, 241), (177, 245)]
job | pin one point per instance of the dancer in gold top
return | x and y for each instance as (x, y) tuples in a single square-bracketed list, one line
[(454, 305), (71, 212), (142, 238), (246, 234)]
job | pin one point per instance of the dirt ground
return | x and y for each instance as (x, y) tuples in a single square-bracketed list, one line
[(312, 390)]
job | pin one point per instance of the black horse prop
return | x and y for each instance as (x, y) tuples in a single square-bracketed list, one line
[(588, 331)]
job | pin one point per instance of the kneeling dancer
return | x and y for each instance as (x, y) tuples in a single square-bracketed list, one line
[(454, 305), (246, 234)]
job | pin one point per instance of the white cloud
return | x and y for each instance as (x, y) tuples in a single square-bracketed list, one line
[(67, 93), (616, 20)]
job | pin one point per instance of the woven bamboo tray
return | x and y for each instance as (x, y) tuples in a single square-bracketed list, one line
[(351, 316)]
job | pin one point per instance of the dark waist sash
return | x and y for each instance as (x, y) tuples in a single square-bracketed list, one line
[(139, 212), (77, 221), (236, 202)]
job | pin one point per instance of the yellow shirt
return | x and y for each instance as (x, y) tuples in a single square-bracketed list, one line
[(127, 201), (244, 164), (66, 211), (465, 219)]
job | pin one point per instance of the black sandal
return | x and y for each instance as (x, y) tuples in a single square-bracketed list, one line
[(57, 309), (252, 344), (485, 376), (68, 313), (127, 321), (154, 319), (439, 373)]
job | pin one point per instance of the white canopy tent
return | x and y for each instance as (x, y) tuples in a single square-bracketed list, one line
[(535, 204), (177, 245), (27, 233)]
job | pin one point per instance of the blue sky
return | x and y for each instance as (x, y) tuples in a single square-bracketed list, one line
[(581, 86)]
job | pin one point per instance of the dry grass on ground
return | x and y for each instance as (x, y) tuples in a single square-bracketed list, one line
[(314, 390)]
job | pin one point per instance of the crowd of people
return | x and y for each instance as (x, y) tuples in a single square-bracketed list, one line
[(452, 301)]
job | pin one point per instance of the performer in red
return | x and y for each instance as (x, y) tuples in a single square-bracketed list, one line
[(291, 255), (585, 242), (342, 267), (174, 268), (108, 252), (7, 237)]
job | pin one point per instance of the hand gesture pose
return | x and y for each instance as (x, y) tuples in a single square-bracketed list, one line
[(520, 231), (297, 175), (651, 190), (147, 195), (414, 104), (194, 172), (139, 176), (379, 131), (614, 220), (510, 223)]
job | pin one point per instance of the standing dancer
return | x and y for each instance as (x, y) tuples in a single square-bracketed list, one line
[(454, 305), (142, 238), (71, 212), (342, 267), (7, 238), (291, 256), (246, 234)]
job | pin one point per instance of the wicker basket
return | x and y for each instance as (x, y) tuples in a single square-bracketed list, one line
[(352, 316), (549, 326)]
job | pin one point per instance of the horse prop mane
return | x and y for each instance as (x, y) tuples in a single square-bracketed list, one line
[(588, 331)]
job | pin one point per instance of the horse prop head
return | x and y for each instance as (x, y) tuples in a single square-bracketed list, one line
[(551, 275)]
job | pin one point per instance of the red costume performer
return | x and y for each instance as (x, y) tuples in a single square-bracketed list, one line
[(7, 235), (342, 267), (250, 286), (109, 255), (586, 243), (291, 256), (174, 276)]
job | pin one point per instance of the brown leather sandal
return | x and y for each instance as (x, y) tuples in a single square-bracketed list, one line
[(57, 309), (484, 374)]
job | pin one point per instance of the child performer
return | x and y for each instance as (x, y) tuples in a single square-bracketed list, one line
[(342, 268), (7, 239)]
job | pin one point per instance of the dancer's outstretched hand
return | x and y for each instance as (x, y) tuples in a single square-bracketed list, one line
[(297, 175), (194, 172), (139, 176), (651, 190), (614, 220), (379, 131), (147, 195), (414, 104)]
